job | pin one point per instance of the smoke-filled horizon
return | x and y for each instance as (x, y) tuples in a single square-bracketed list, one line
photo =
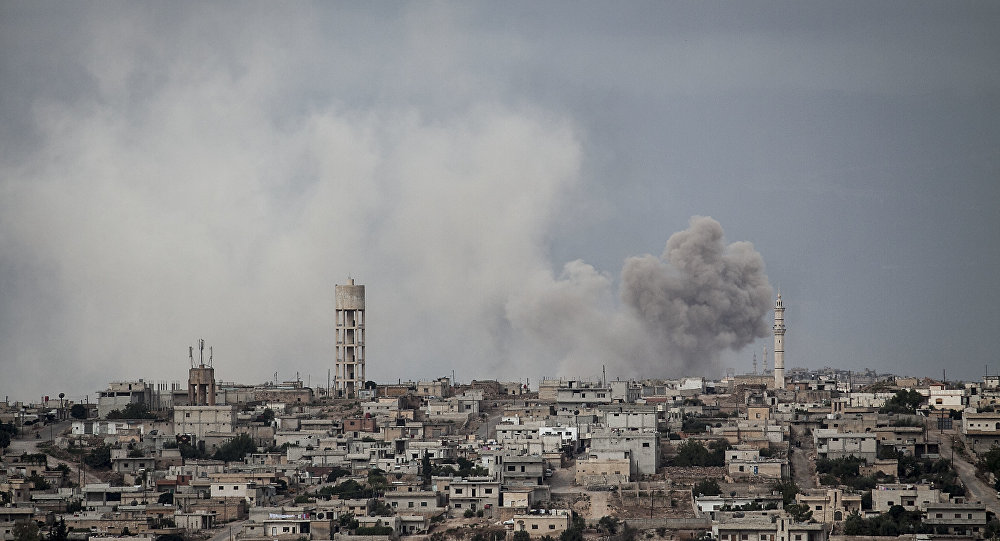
[(494, 173)]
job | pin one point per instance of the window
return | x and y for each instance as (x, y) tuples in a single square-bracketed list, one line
[(798, 537), (423, 504), (458, 491), (552, 526), (938, 515), (534, 526), (744, 537), (409, 505), (819, 507), (490, 491), (645, 444)]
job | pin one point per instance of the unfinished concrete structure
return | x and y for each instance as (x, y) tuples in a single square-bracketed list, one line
[(350, 374), (201, 378)]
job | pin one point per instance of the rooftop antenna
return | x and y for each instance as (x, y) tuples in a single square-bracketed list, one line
[(201, 351), (210, 356), (191, 355), (764, 368), (755, 363)]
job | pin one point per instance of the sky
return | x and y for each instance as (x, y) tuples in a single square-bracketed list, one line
[(504, 178)]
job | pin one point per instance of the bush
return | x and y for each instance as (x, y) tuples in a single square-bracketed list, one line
[(469, 513), (708, 487)]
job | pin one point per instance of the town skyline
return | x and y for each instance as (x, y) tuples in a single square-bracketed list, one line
[(505, 180)]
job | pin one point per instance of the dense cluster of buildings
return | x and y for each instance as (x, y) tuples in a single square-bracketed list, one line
[(356, 460)]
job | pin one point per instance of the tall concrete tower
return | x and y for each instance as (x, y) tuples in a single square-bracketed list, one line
[(201, 378), (779, 344), (350, 377)]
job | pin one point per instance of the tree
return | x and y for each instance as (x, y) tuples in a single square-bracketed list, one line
[(708, 487), (78, 411), (608, 524), (522, 535), (59, 531), (903, 402), (167, 498), (4, 440), (425, 468), (788, 490), (99, 457), (337, 473), (26, 530), (267, 416), (692, 453), (236, 448)]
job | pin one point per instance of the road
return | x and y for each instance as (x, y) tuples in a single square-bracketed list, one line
[(803, 457), (977, 489), (29, 444), (229, 531)]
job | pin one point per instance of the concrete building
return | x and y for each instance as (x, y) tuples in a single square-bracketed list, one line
[(643, 447), (120, 394), (553, 523), (981, 430), (350, 329), (199, 421), (833, 444), (779, 344), (956, 518)]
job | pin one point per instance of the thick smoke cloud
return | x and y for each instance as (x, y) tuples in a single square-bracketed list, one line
[(700, 297), (675, 314)]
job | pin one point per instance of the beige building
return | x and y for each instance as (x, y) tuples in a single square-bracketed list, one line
[(553, 523), (603, 471), (829, 505), (199, 421)]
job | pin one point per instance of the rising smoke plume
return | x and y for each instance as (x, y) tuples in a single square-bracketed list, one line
[(674, 314), (700, 297)]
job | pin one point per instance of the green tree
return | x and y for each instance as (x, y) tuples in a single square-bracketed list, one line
[(167, 498), (135, 410), (522, 535), (236, 448), (26, 530), (608, 524), (99, 457), (267, 416), (788, 490), (425, 468), (903, 402), (4, 441), (39, 482), (78, 411), (336, 473), (708, 487), (693, 453), (59, 531)]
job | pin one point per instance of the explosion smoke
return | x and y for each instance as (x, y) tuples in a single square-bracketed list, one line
[(700, 297)]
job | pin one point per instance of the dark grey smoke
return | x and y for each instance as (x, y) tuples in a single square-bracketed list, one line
[(700, 297)]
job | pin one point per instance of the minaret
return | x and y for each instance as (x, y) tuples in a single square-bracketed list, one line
[(350, 375), (779, 344)]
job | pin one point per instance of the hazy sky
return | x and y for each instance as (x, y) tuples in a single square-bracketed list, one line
[(175, 171)]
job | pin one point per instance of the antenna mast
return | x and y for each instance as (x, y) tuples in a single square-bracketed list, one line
[(210, 356)]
